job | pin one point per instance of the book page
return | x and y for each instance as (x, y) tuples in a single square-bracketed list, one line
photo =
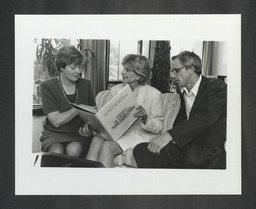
[(88, 116), (87, 108), (118, 114)]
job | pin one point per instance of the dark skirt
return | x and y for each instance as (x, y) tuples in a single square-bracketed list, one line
[(49, 137)]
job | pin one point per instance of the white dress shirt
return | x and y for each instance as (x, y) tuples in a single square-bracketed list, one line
[(189, 96)]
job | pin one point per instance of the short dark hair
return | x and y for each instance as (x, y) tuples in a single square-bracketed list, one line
[(67, 55), (140, 65), (190, 59)]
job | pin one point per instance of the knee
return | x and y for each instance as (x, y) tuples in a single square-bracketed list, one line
[(56, 148), (98, 139), (111, 147), (140, 149), (74, 149), (107, 146)]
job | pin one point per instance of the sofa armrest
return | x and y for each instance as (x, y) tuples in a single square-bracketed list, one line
[(102, 98), (171, 106)]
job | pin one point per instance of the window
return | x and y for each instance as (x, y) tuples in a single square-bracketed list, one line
[(178, 46), (118, 50)]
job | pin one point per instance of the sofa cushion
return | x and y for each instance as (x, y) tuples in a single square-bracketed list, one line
[(126, 160)]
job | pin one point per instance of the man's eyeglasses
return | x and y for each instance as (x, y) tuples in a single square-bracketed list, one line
[(176, 70)]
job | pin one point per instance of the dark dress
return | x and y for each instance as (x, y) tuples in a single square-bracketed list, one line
[(54, 99)]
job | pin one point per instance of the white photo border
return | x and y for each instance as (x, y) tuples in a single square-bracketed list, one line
[(30, 180)]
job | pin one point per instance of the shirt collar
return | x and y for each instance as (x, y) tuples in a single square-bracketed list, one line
[(195, 88)]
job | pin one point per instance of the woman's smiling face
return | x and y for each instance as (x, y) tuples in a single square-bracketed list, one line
[(72, 72), (129, 76)]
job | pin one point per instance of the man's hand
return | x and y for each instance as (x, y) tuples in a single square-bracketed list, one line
[(157, 143)]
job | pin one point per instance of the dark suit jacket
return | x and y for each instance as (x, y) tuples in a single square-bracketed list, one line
[(203, 136)]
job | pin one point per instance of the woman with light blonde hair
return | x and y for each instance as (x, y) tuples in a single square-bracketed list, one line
[(136, 73)]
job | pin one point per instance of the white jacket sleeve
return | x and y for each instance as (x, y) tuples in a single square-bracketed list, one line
[(153, 107)]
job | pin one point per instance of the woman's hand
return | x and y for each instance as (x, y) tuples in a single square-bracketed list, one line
[(85, 131), (141, 113)]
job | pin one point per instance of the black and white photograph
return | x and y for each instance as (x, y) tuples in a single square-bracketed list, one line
[(109, 106), (109, 65), (127, 104)]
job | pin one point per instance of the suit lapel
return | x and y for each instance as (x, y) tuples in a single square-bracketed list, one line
[(182, 112), (198, 98)]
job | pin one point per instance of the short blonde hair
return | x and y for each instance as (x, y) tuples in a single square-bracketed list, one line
[(140, 65)]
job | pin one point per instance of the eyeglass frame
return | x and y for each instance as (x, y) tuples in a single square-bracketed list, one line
[(175, 71)]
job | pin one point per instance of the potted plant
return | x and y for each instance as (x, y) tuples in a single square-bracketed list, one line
[(161, 67), (45, 55)]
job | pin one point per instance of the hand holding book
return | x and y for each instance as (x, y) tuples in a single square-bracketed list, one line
[(115, 117), (85, 130), (141, 113)]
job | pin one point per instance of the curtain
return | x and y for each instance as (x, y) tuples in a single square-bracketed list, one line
[(152, 49), (207, 57), (97, 68)]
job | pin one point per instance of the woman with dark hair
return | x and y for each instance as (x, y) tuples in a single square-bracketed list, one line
[(64, 132), (136, 73)]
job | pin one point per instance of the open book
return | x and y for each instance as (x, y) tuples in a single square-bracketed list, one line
[(115, 117)]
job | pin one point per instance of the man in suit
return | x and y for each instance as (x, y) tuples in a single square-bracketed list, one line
[(198, 135)]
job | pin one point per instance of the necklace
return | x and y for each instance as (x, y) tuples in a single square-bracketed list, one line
[(72, 98)]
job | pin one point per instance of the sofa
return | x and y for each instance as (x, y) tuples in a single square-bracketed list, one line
[(170, 105)]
